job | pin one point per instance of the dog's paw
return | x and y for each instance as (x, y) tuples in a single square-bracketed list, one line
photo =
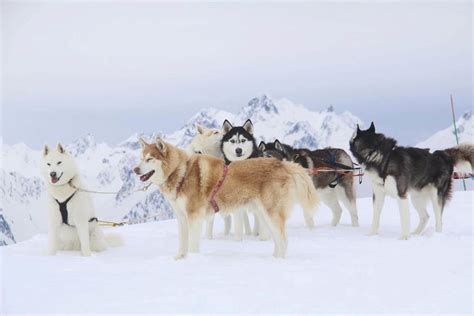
[(372, 233), (180, 256), (51, 252), (404, 237), (86, 253)]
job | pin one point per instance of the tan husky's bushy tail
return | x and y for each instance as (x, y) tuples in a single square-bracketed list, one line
[(305, 192)]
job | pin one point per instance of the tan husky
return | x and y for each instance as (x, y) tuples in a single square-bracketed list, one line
[(199, 185)]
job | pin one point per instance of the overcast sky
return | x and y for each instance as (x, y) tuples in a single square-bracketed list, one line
[(111, 69)]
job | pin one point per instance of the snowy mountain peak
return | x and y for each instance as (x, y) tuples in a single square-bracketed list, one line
[(81, 145), (446, 138), (259, 107)]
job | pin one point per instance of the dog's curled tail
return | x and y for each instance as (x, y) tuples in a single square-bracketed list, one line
[(113, 240), (461, 154), (305, 192)]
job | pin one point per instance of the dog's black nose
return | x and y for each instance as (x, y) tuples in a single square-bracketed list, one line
[(53, 174), (136, 170), (238, 151)]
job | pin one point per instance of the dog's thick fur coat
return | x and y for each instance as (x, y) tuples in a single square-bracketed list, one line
[(343, 191), (267, 186), (80, 232), (399, 171)]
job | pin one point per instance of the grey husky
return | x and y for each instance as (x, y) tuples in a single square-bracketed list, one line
[(399, 171), (331, 186)]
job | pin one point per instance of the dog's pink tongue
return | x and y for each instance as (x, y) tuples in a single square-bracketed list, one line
[(54, 180), (143, 177)]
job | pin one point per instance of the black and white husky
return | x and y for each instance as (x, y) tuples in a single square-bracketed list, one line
[(238, 143), (399, 171), (332, 187)]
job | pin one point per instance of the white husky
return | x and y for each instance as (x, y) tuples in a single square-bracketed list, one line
[(72, 224)]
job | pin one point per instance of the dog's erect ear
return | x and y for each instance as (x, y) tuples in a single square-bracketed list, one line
[(226, 127), (45, 150), (358, 128), (60, 148), (248, 126), (199, 129), (160, 144), (278, 145), (372, 127), (142, 142), (262, 146)]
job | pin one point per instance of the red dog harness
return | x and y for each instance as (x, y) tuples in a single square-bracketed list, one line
[(217, 188)]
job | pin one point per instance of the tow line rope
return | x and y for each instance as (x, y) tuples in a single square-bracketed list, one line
[(110, 223), (145, 188)]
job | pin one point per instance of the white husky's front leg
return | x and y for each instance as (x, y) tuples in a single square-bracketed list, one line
[(84, 237), (53, 239), (54, 223)]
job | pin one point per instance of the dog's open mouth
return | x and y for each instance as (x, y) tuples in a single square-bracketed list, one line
[(146, 176), (55, 179)]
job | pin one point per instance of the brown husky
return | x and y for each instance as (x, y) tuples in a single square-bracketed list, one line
[(199, 185)]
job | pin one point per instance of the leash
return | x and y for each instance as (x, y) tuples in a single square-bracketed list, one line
[(145, 188), (461, 176), (118, 224)]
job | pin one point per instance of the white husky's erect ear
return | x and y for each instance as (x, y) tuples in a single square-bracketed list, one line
[(278, 145), (60, 148), (160, 144), (226, 127), (199, 129), (248, 126), (45, 150), (142, 142), (262, 146)]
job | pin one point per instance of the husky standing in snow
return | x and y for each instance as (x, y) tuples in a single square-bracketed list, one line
[(399, 171), (197, 185), (332, 187), (72, 224), (238, 143)]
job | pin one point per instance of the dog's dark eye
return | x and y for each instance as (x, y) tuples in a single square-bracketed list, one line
[(198, 152), (243, 140), (59, 162), (149, 159), (48, 164), (232, 141)]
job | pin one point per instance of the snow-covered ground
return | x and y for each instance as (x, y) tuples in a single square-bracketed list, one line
[(327, 270)]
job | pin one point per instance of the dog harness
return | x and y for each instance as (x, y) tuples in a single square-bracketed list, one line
[(63, 210), (217, 188)]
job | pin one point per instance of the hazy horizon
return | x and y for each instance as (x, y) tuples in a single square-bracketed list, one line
[(112, 69)]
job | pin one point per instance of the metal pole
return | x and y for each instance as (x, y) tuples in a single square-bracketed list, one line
[(456, 132)]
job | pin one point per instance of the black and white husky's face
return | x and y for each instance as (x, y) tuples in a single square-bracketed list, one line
[(238, 142), (57, 166)]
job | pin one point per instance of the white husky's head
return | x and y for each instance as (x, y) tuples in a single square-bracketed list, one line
[(207, 141), (57, 166)]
